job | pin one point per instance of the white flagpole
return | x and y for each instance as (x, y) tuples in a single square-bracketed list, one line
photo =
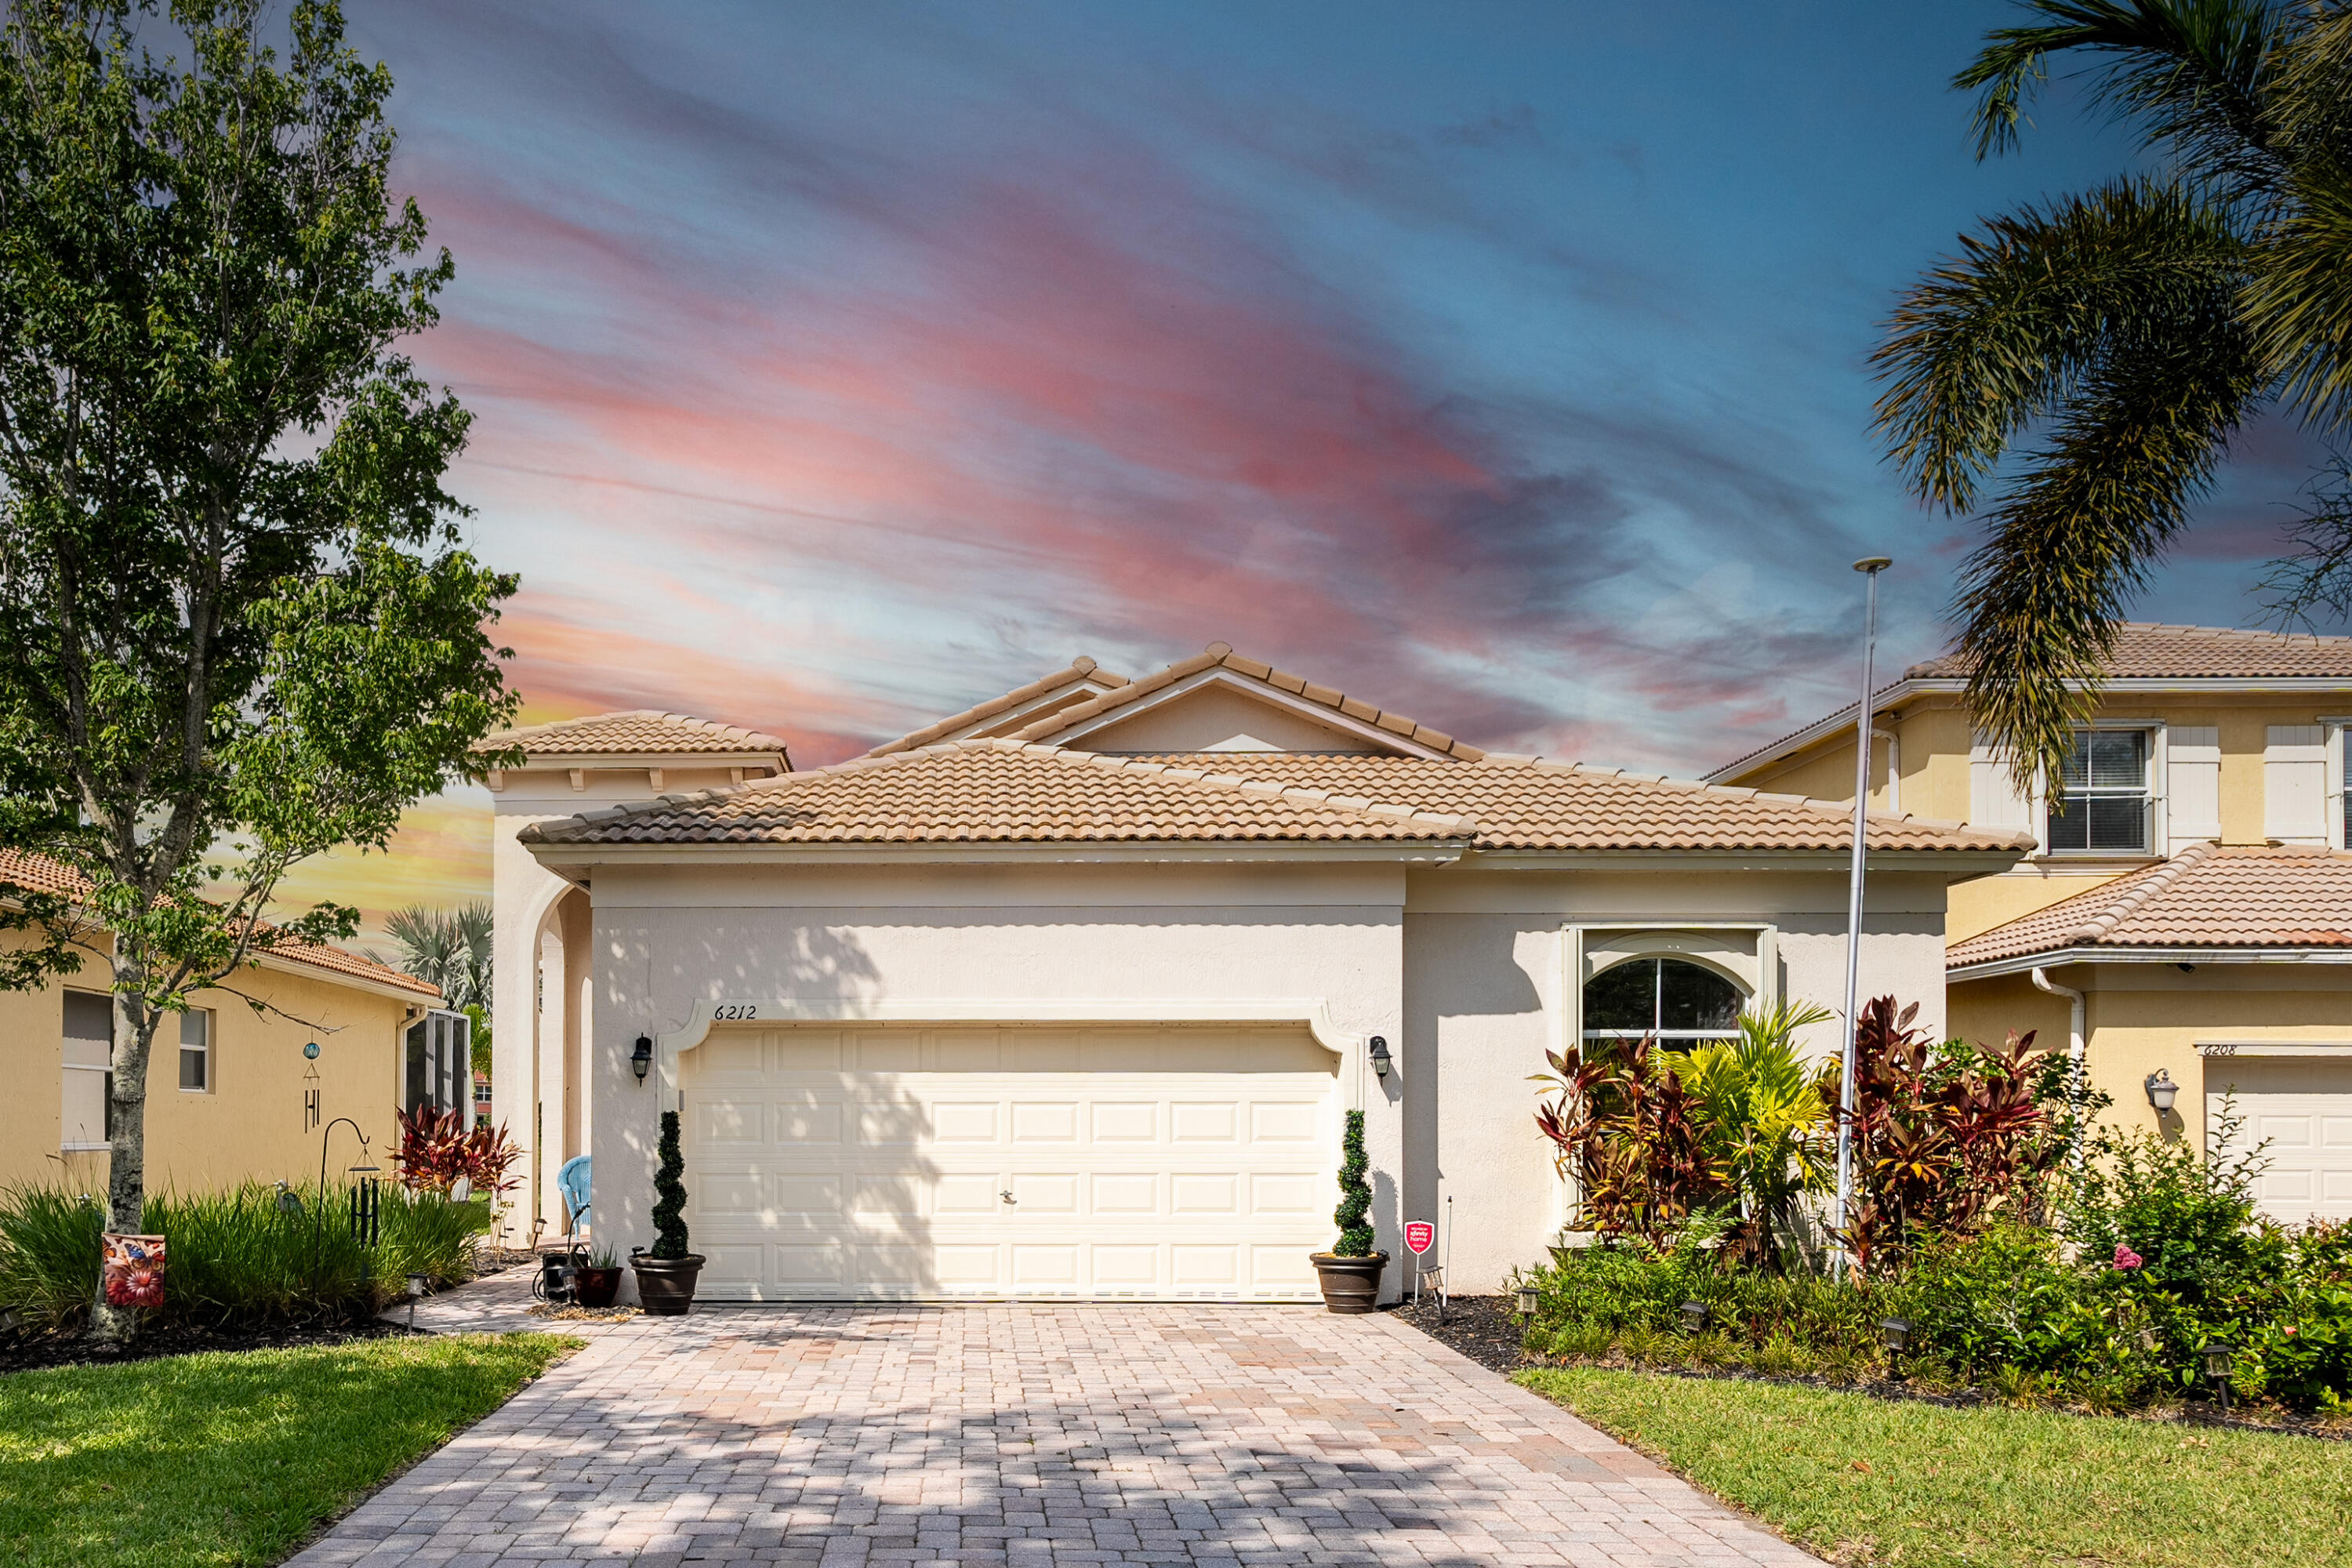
[(1870, 567)]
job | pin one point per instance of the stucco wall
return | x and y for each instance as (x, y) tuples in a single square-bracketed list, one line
[(935, 941), (250, 1125), (1484, 982)]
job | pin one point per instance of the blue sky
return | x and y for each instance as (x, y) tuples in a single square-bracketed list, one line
[(836, 367)]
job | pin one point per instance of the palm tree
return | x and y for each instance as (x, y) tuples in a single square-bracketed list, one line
[(451, 949), (2109, 345)]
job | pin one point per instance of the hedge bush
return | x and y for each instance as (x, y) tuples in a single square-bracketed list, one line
[(237, 1258)]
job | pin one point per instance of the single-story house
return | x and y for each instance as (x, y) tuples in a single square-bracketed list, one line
[(1065, 995), (231, 1095)]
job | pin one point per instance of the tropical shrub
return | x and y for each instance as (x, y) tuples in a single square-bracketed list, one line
[(1762, 1125), (438, 1149), (1946, 1140), (1626, 1130)]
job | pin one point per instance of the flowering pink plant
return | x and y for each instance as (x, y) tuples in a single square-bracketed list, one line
[(2125, 1258)]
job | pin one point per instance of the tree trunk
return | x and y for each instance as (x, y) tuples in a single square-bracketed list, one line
[(126, 1172)]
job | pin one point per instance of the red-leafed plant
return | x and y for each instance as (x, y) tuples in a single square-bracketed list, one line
[(1626, 1130), (438, 1149), (1946, 1139)]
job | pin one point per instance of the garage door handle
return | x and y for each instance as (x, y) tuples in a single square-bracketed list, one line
[(1008, 1197)]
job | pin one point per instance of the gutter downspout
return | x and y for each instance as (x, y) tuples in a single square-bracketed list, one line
[(2076, 1052), (1894, 768)]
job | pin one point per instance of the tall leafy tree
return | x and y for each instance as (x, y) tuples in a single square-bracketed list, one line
[(236, 624), (2091, 358)]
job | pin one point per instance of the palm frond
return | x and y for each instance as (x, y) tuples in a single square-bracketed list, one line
[(2314, 578), (2299, 299), (448, 948), (2075, 536), (2194, 73), (2007, 332)]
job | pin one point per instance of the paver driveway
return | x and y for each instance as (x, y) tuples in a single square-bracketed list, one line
[(853, 1437)]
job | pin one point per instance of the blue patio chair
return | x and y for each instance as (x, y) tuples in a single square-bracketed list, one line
[(572, 1183)]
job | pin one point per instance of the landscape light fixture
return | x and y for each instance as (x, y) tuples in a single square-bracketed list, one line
[(1380, 1055), (641, 1060), (1525, 1300), (1870, 566), (1896, 1332), (2217, 1369), (415, 1292), (2162, 1091), (1695, 1316)]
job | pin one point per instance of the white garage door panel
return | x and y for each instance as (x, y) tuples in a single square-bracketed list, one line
[(2303, 1107), (1178, 1163)]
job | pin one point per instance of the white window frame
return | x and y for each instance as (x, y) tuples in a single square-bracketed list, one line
[(2158, 761), (205, 1050), (1746, 952), (106, 1092)]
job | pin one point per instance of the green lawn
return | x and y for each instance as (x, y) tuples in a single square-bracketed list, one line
[(231, 1458), (1864, 1480)]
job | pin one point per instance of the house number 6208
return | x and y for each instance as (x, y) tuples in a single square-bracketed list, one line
[(734, 1012)]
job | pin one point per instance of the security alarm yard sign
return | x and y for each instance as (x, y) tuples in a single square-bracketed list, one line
[(1420, 1236)]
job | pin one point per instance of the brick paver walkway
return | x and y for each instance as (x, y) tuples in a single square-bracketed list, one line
[(1032, 1437)]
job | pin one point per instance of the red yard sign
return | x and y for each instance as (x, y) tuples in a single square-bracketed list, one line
[(1420, 1236)]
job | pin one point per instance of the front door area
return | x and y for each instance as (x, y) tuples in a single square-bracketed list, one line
[(1117, 1162)]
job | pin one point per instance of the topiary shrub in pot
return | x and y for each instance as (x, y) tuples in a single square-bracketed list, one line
[(666, 1274), (1350, 1272)]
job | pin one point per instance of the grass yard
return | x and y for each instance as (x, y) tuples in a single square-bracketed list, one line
[(1864, 1480), (227, 1458)]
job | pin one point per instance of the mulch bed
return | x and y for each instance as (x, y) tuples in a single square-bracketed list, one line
[(23, 1352), (1485, 1329)]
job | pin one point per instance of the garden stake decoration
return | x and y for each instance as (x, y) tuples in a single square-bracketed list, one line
[(363, 1168)]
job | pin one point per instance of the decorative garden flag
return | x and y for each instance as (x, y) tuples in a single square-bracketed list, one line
[(130, 1269)]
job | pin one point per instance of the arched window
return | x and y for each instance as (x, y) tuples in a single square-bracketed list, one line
[(1672, 998)]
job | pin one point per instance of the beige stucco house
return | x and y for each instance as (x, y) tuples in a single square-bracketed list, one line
[(2186, 909), (1065, 995), (231, 1095)]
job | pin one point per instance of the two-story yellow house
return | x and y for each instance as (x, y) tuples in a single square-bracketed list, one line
[(2186, 926)]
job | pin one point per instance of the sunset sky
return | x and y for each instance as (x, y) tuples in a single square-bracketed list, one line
[(836, 367)]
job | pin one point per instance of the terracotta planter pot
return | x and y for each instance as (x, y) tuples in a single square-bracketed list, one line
[(596, 1287), (1350, 1285), (666, 1285)]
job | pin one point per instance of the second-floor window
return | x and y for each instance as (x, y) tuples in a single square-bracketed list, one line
[(2101, 801)]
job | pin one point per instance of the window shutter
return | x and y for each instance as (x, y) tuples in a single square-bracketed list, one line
[(1993, 799), (2192, 785), (2294, 784)]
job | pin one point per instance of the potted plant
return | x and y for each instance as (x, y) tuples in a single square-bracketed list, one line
[(597, 1281), (1350, 1272), (666, 1274)]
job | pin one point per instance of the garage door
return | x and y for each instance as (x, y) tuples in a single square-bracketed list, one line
[(1176, 1163), (2303, 1107)]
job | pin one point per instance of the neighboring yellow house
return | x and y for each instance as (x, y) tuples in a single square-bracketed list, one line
[(2190, 911), (232, 1098)]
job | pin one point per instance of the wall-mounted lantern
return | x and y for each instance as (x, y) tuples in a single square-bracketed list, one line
[(2162, 1091), (1380, 1055), (641, 1060)]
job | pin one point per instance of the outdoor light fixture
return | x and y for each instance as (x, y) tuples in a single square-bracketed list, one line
[(1897, 1334), (415, 1290), (1381, 1058), (2217, 1369), (1526, 1300), (2162, 1091), (641, 1060), (1695, 1316)]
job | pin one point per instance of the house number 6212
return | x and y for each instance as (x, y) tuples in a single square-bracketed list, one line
[(734, 1012)]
